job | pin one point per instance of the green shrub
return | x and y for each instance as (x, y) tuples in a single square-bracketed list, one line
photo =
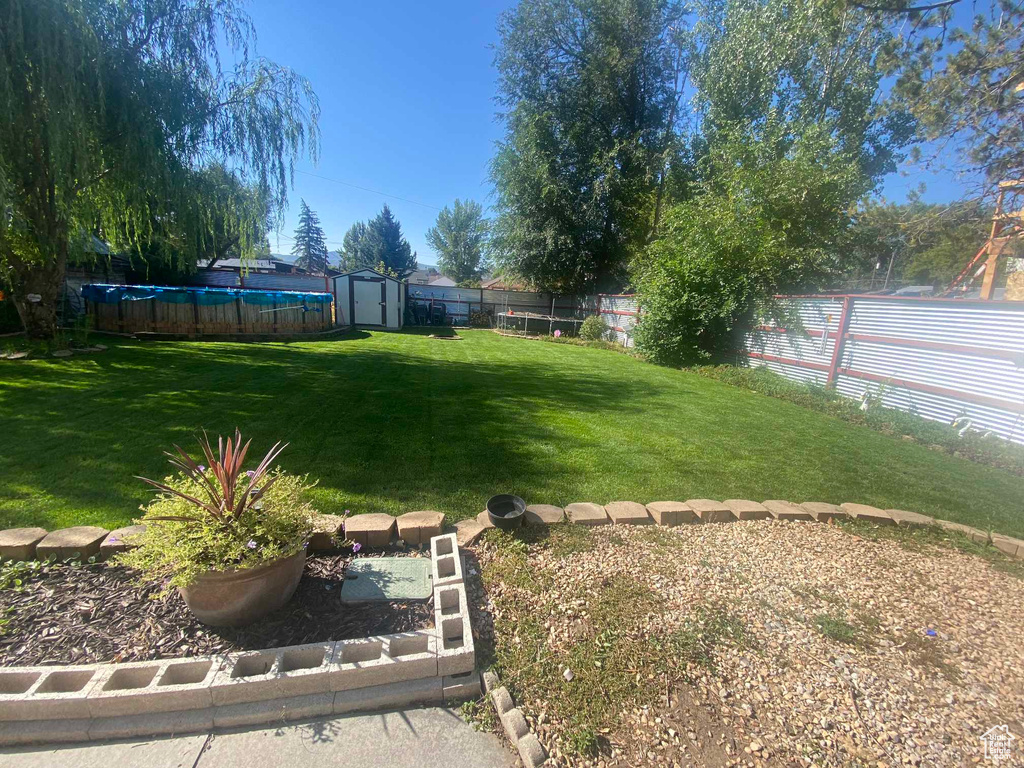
[(592, 329), (220, 518)]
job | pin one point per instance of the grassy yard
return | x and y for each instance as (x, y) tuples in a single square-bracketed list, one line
[(396, 421)]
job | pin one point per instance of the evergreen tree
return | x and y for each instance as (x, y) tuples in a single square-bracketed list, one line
[(385, 244), (355, 248), (309, 242)]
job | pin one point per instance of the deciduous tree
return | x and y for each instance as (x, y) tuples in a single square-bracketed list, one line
[(459, 236), (109, 109)]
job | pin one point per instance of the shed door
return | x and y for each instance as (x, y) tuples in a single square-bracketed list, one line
[(369, 302)]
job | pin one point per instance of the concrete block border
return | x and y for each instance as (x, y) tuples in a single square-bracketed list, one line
[(517, 730), (94, 701)]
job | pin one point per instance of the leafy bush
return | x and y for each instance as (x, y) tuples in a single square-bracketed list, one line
[(766, 220), (592, 329), (973, 446), (219, 518)]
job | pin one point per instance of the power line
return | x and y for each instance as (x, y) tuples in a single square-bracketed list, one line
[(367, 189)]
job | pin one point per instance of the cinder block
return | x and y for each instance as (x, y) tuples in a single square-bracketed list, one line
[(153, 724), (745, 509), (514, 724), (327, 529), (420, 527), (868, 513), (670, 513), (274, 710), (787, 510), (393, 696), (41, 693), (544, 514), (153, 686), (81, 541), (460, 687), (531, 751), (445, 560), (455, 649), (384, 659), (295, 670), (502, 700), (121, 540), (20, 543), (822, 511), (627, 513), (371, 530), (710, 511), (246, 676), (907, 519), (975, 534), (586, 513), (57, 731)]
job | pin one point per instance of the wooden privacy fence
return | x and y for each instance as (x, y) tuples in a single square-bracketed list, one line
[(206, 311)]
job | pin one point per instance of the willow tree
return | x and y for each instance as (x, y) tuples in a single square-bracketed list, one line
[(109, 110)]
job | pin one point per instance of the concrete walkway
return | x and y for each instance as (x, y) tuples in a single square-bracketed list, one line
[(414, 738)]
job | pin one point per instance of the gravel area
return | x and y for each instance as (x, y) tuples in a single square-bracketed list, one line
[(78, 614), (854, 652)]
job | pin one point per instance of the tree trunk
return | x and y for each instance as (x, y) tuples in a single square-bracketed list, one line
[(36, 290)]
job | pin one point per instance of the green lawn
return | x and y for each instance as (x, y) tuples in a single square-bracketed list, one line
[(397, 422)]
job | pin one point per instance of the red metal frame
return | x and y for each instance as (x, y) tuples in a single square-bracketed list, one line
[(932, 299), (953, 394), (788, 361)]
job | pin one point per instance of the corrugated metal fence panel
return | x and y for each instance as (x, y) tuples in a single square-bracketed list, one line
[(619, 314), (938, 359), (460, 301), (220, 278)]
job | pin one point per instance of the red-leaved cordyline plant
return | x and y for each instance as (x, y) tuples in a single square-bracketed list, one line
[(225, 504)]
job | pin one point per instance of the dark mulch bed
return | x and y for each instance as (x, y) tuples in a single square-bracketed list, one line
[(76, 614)]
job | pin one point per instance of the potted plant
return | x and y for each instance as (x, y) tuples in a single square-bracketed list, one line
[(233, 542)]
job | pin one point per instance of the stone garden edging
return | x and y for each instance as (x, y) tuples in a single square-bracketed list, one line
[(99, 701), (701, 511)]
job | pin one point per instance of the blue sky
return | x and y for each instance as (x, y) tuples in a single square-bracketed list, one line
[(407, 97)]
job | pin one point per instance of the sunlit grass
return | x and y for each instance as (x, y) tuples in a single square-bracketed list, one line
[(396, 421)]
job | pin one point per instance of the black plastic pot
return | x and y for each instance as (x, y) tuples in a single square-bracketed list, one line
[(506, 511)]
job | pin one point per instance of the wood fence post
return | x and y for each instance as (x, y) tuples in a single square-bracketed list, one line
[(837, 348)]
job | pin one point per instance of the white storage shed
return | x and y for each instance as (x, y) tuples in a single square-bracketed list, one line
[(367, 298)]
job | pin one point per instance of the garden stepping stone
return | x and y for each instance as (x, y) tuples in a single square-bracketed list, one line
[(787, 510), (485, 520), (467, 532), (710, 511), (20, 543), (586, 513), (823, 511), (372, 530), (745, 509), (544, 514), (420, 527), (670, 513), (81, 541), (121, 540), (326, 531), (868, 513), (17, 355), (378, 579), (904, 518), (627, 513)]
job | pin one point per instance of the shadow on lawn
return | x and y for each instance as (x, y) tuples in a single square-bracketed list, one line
[(367, 422)]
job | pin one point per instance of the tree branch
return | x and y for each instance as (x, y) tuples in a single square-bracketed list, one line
[(904, 9)]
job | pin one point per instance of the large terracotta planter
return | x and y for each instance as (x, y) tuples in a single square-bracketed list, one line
[(234, 598)]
